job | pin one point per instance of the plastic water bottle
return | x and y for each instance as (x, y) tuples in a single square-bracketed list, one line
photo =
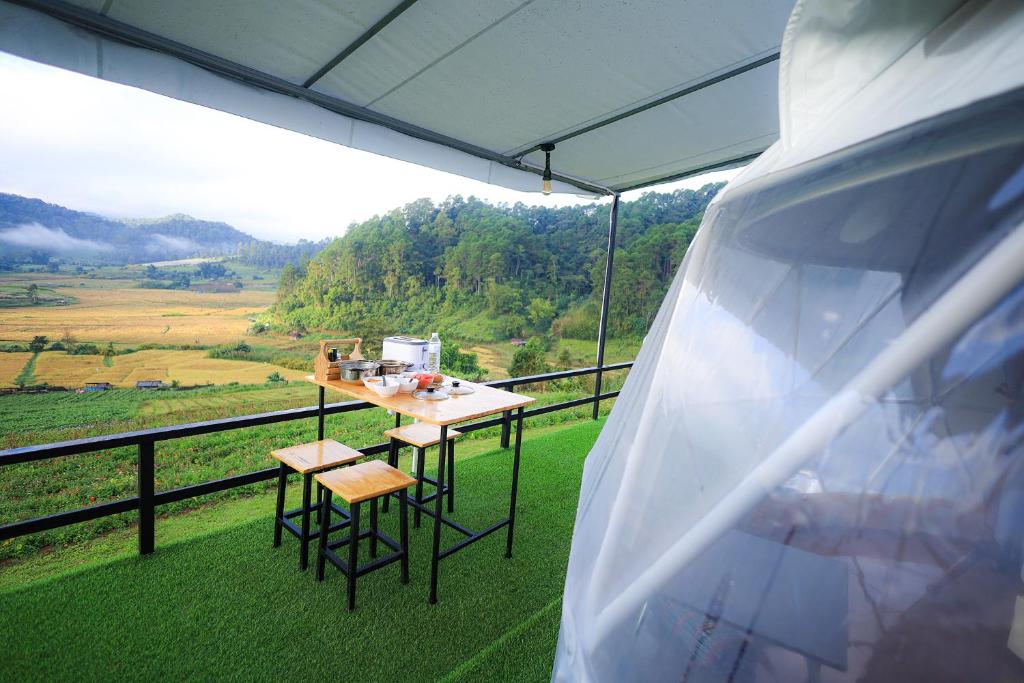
[(434, 354)]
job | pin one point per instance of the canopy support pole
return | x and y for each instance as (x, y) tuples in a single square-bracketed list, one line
[(613, 222)]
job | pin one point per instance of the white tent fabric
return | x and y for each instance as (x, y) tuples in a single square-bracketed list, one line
[(631, 93), (825, 416)]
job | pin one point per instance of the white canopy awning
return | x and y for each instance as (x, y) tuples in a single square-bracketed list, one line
[(631, 93)]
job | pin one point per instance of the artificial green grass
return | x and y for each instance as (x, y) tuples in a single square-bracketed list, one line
[(229, 606)]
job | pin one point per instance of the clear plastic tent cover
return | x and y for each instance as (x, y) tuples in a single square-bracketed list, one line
[(816, 469)]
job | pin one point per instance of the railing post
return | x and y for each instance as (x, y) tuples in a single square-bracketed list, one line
[(506, 421), (613, 221), (147, 506)]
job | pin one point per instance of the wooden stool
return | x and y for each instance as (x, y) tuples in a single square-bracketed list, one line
[(307, 459), (367, 481), (421, 436)]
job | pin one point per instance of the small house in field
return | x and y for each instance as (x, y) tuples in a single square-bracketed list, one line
[(149, 384), (517, 342), (98, 386)]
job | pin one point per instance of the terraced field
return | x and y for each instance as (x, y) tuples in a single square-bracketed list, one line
[(189, 368), (135, 316), (11, 365), (294, 395)]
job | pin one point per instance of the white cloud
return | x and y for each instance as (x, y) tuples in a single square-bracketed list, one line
[(119, 151), (49, 240)]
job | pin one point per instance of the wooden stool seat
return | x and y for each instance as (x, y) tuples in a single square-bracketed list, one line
[(316, 456), (420, 434), (305, 459), (371, 479), (368, 481)]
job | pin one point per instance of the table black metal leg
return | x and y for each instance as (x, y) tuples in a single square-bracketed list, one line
[(307, 490), (320, 416), (282, 482), (325, 527), (515, 482), (403, 534), (438, 503), (353, 554), (451, 476)]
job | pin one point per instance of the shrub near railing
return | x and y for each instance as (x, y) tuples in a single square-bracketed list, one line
[(106, 476)]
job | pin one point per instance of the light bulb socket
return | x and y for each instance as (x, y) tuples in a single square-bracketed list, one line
[(547, 148)]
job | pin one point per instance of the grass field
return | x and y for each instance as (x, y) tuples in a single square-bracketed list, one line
[(257, 400), (62, 484), (11, 365), (134, 316), (187, 367), (228, 606)]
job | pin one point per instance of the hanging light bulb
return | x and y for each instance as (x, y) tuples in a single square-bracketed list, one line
[(547, 148)]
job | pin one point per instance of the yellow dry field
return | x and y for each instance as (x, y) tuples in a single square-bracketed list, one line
[(10, 367), (188, 367), (139, 315)]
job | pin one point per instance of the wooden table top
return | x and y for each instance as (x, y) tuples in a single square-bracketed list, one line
[(483, 401)]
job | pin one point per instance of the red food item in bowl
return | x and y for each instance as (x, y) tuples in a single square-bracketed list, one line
[(423, 379)]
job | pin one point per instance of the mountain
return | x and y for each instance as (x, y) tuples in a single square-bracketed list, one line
[(481, 272), (33, 230)]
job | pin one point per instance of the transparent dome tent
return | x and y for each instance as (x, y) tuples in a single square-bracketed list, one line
[(815, 470)]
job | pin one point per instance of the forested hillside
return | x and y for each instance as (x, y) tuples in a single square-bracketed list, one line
[(34, 231), (481, 272)]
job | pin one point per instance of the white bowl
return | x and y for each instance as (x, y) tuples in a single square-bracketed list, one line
[(371, 381), (406, 385), (390, 390)]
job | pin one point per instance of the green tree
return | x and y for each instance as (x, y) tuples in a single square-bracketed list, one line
[(528, 360), (33, 293), (68, 341), (458, 364), (540, 312), (38, 343)]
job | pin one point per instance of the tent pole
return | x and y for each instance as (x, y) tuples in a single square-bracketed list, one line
[(613, 223)]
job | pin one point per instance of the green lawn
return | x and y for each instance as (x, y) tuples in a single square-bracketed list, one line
[(227, 605)]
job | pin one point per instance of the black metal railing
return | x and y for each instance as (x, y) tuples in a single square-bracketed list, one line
[(148, 499)]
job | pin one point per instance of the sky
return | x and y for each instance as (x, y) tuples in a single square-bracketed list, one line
[(122, 152)]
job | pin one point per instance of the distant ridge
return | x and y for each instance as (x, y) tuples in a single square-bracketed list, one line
[(31, 227)]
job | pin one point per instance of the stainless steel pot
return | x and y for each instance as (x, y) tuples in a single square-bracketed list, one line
[(355, 370), (392, 367)]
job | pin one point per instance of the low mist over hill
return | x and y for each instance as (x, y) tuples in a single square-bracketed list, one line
[(35, 231)]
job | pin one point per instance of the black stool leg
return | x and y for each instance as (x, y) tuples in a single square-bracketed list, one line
[(307, 486), (420, 453), (403, 534), (319, 501), (353, 555), (451, 476), (393, 461), (373, 527), (282, 482), (325, 526)]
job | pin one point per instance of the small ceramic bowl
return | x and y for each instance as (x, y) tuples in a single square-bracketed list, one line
[(406, 384), (390, 390), (371, 381)]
